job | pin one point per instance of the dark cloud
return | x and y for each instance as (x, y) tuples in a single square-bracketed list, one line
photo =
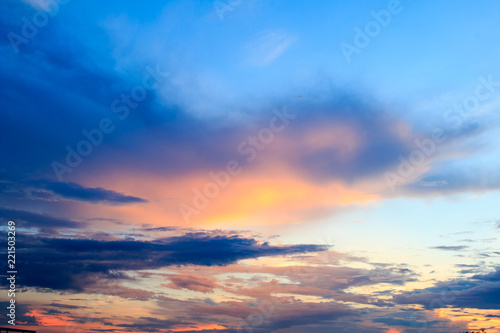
[(312, 314), (45, 222), (449, 248), (94, 195), (67, 306), (467, 271), (414, 321), (150, 324), (378, 146), (481, 291), (273, 315), (75, 264), (159, 229), (467, 266), (53, 191), (22, 313), (392, 320)]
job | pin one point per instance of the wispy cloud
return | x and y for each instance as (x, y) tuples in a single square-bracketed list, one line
[(268, 48), (450, 248)]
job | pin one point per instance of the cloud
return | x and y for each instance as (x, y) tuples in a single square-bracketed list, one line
[(467, 266), (76, 85), (450, 248), (475, 171), (66, 306), (269, 47), (320, 158), (82, 262), (481, 291), (455, 179), (414, 321), (192, 282), (23, 314), (341, 138), (45, 191), (94, 195), (278, 313), (325, 282), (150, 324), (45, 222)]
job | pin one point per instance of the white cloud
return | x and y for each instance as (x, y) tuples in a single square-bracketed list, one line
[(45, 5), (269, 47)]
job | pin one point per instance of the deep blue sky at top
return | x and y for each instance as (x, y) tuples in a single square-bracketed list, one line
[(428, 48)]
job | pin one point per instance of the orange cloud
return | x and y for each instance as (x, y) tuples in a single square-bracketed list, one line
[(48, 320), (272, 195), (199, 328), (268, 190)]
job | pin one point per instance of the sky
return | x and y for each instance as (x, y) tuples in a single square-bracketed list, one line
[(251, 166)]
